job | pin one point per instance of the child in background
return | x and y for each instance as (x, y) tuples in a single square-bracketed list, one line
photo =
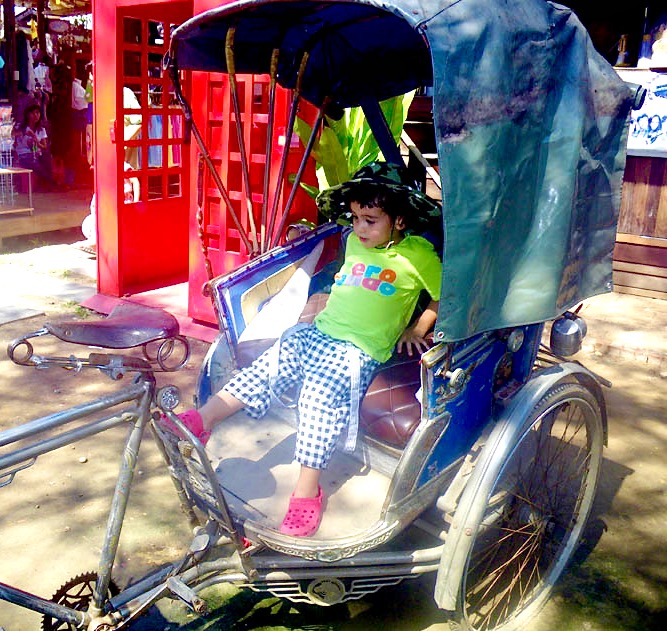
[(31, 144), (365, 319)]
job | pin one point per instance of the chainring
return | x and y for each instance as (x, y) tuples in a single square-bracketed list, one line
[(76, 594)]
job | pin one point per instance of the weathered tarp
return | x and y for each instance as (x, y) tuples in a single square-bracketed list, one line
[(530, 125)]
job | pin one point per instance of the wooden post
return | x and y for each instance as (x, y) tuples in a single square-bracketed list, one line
[(41, 26), (10, 51)]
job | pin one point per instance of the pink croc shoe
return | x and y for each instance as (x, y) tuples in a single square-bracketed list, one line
[(303, 515), (192, 420)]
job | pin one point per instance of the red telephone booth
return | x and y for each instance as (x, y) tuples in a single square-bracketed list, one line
[(142, 169), (149, 235)]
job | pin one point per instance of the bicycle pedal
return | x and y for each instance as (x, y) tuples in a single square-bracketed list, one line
[(187, 595)]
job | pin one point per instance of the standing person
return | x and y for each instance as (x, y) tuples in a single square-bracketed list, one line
[(334, 359), (31, 144), (77, 156)]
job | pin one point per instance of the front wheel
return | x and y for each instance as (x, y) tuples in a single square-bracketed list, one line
[(538, 505)]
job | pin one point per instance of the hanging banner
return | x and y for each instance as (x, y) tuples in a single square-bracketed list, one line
[(648, 128)]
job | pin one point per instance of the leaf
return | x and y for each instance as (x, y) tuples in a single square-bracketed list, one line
[(332, 157), (396, 111), (313, 191), (347, 144), (303, 131)]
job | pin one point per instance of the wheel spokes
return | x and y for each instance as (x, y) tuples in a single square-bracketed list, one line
[(531, 516)]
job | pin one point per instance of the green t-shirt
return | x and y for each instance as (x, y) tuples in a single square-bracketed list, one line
[(375, 293)]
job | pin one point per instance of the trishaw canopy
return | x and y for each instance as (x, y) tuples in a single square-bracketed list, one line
[(530, 126)]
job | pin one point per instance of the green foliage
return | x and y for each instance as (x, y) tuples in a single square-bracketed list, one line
[(346, 145), (80, 312)]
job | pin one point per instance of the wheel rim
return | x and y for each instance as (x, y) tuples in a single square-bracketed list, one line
[(539, 503)]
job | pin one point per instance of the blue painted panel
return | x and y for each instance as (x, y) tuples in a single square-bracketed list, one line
[(473, 407), (229, 289)]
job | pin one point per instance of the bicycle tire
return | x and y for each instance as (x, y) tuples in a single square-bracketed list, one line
[(536, 510)]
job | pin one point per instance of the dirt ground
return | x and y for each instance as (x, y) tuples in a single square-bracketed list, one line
[(53, 515)]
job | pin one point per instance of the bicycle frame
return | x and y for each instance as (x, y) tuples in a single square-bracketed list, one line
[(138, 397)]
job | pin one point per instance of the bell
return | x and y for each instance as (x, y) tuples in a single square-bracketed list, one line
[(567, 334)]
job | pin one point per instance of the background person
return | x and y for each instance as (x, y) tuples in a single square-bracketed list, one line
[(31, 146)]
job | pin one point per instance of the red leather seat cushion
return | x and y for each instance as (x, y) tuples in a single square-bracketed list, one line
[(390, 412)]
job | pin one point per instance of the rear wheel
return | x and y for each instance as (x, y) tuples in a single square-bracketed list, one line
[(536, 510)]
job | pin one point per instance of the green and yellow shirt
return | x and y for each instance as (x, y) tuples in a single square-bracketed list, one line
[(375, 293)]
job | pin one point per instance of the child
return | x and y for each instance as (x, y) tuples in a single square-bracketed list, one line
[(333, 360), (31, 145)]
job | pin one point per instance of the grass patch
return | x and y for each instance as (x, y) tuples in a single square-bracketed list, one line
[(80, 312), (607, 594)]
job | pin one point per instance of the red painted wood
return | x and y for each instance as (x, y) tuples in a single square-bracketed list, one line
[(141, 245), (212, 110)]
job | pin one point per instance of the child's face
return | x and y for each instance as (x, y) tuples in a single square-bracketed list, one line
[(33, 117), (373, 226)]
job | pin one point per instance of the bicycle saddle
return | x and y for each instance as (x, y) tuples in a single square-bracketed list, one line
[(126, 326)]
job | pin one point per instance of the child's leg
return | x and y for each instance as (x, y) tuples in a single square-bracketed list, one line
[(308, 484), (218, 408), (249, 389), (200, 422)]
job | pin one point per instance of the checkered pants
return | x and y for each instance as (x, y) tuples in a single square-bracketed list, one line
[(320, 365)]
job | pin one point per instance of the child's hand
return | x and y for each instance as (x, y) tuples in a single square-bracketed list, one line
[(417, 335), (412, 340)]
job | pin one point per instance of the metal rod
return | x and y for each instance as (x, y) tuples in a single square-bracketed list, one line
[(30, 601), (180, 490), (201, 232), (66, 438), (32, 428), (206, 156), (221, 505), (245, 169), (432, 173), (380, 128), (119, 502), (307, 573), (280, 567), (419, 556), (299, 173), (190, 128), (288, 141), (269, 146)]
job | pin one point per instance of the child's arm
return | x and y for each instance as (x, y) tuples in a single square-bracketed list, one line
[(41, 141), (415, 335)]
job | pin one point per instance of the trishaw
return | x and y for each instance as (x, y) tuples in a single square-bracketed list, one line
[(477, 461)]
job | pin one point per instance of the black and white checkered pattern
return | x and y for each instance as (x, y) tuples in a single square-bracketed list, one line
[(318, 363)]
